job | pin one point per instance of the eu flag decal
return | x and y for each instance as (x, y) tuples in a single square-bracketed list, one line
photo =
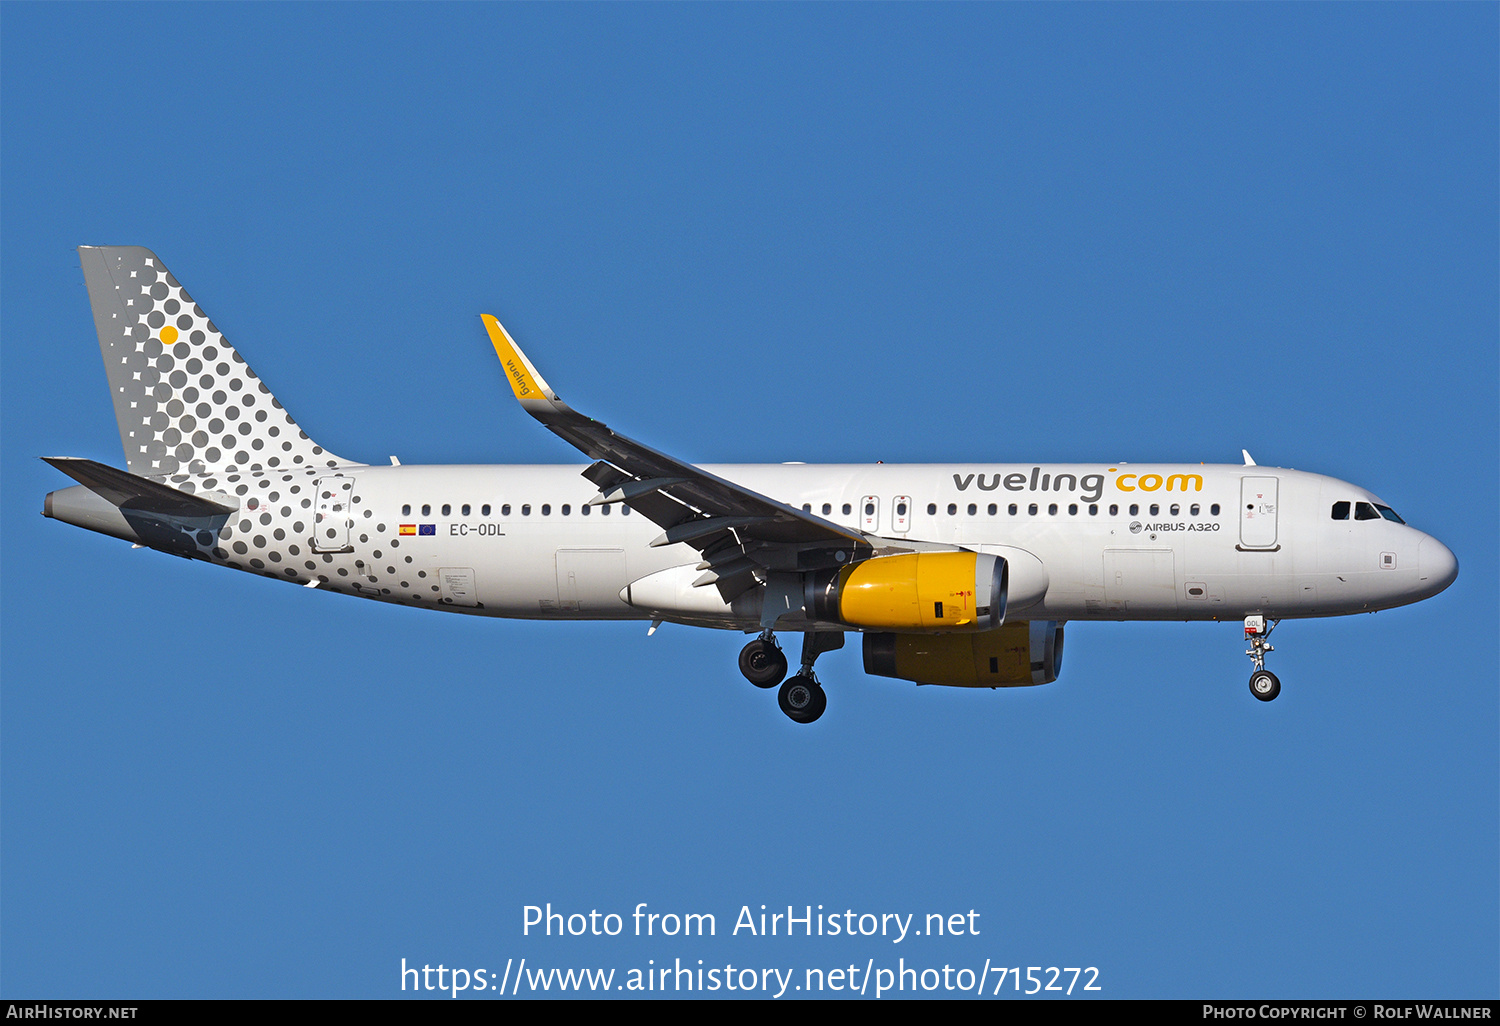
[(427, 529)]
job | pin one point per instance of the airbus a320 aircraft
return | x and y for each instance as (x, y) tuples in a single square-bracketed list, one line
[(954, 574)]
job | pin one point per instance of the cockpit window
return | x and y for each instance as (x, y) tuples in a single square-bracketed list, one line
[(1341, 511), (1365, 511), (1389, 514)]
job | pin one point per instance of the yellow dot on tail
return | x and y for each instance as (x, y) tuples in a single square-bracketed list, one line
[(168, 335)]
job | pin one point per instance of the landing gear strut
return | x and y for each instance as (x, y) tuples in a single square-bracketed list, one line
[(762, 661), (801, 696), (1263, 683)]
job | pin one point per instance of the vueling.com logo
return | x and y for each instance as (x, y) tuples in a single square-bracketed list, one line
[(1091, 485)]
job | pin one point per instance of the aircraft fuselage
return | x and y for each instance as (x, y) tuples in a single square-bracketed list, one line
[(1114, 542)]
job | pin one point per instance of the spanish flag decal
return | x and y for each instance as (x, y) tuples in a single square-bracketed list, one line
[(408, 528)]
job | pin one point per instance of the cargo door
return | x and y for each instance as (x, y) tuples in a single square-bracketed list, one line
[(589, 580), (456, 584), (1140, 580)]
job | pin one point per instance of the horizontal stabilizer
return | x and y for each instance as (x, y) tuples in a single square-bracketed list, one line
[(128, 491)]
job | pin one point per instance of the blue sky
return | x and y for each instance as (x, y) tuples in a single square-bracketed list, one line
[(831, 233)]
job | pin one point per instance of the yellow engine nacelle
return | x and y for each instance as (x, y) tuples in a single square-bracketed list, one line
[(1016, 655), (919, 591)]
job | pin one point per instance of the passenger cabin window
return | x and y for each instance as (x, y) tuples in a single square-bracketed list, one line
[(807, 507), (566, 509), (1013, 509), (1114, 509), (1175, 509), (505, 510), (426, 510), (484, 510), (406, 510), (465, 509), (973, 509), (827, 508), (1214, 509), (1052, 509), (993, 509), (931, 509), (1341, 511), (1072, 509), (584, 510), (526, 510), (1155, 509), (1031, 509), (953, 509), (849, 509), (1135, 509), (1194, 510), (1365, 511), (546, 509), (447, 509)]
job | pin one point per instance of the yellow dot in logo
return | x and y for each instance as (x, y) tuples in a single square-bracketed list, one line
[(168, 335)]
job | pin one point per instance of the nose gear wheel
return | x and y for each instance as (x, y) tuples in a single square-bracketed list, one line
[(1263, 683)]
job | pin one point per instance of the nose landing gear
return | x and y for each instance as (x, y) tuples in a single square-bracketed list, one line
[(1263, 683)]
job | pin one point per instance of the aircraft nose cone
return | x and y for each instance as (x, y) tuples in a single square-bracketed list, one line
[(1438, 565)]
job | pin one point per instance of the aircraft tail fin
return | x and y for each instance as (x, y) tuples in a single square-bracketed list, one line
[(186, 402)]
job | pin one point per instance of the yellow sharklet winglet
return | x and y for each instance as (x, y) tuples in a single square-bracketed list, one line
[(524, 380)]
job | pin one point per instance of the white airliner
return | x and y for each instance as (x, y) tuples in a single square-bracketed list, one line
[(957, 574)]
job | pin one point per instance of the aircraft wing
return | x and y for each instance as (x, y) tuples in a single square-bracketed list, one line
[(738, 530)]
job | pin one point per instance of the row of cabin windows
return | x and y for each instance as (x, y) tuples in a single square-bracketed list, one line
[(465, 510), (1013, 509), (1363, 510)]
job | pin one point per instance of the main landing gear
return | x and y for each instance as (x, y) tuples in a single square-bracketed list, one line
[(762, 661), (801, 696), (1263, 683)]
